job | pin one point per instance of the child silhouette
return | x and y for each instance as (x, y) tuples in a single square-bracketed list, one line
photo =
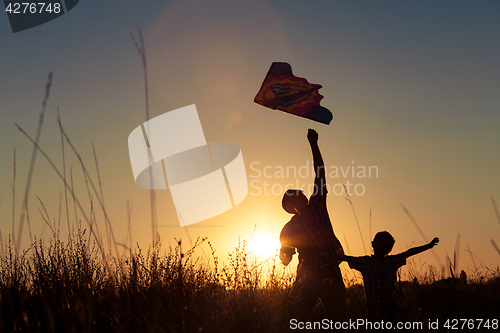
[(379, 273)]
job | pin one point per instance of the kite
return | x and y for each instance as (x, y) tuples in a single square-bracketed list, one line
[(283, 91)]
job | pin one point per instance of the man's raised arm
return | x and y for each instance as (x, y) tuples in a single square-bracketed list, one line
[(319, 165)]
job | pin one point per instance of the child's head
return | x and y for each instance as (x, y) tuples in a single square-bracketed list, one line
[(382, 243), (294, 201)]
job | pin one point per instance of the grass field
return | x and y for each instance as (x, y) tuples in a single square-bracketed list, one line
[(72, 286)]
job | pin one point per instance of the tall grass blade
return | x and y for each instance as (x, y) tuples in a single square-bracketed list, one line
[(45, 215), (106, 218), (495, 245), (152, 195), (456, 254), (61, 177), (1, 244), (472, 257), (450, 265), (88, 179), (356, 218), (32, 165), (370, 223), (73, 193), (14, 198), (64, 168), (129, 224), (495, 208), (347, 245)]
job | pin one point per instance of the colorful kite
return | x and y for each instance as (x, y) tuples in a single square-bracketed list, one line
[(283, 91)]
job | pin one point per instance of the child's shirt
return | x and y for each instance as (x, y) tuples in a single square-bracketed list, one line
[(379, 276)]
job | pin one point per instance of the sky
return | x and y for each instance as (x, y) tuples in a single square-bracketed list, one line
[(413, 87)]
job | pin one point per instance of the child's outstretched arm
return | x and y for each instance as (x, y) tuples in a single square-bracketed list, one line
[(419, 249), (341, 257)]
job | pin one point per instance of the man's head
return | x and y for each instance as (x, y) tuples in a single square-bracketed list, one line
[(382, 243), (294, 201)]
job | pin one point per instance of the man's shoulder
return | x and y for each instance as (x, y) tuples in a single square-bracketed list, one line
[(317, 203), (287, 225), (290, 226), (319, 195)]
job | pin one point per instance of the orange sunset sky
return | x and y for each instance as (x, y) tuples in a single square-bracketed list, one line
[(413, 87)]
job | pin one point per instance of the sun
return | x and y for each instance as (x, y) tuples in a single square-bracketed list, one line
[(264, 246)]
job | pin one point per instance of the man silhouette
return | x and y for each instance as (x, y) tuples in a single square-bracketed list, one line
[(310, 232)]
